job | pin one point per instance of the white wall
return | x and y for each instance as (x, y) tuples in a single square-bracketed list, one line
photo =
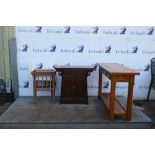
[(41, 40)]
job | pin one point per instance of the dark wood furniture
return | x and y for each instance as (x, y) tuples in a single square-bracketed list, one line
[(74, 83), (116, 73), (152, 82), (43, 80), (6, 97)]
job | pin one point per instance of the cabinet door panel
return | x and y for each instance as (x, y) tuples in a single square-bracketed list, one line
[(68, 84), (81, 87)]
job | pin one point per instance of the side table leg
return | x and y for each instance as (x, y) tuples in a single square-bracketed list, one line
[(129, 99), (112, 100)]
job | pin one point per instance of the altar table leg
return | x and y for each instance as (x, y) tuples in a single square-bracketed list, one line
[(100, 84), (112, 100), (129, 99)]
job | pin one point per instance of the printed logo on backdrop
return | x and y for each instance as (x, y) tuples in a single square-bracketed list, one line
[(148, 51), (145, 68), (120, 31), (149, 31), (93, 30), (51, 48), (92, 86), (59, 30), (107, 49), (122, 86), (35, 29), (26, 68), (23, 68), (143, 87), (38, 29), (79, 49), (106, 84), (23, 48), (40, 66), (123, 30), (133, 50), (25, 84), (67, 29)]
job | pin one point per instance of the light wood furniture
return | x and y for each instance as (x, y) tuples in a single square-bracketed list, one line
[(43, 80), (74, 83), (116, 73)]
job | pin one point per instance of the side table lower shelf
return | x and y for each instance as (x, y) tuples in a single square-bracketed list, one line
[(118, 110)]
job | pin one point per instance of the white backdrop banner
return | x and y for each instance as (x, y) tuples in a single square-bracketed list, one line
[(42, 47)]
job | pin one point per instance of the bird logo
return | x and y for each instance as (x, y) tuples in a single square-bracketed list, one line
[(134, 49), (25, 48), (67, 29), (40, 66), (80, 49), (53, 48), (38, 28), (106, 84), (95, 30), (147, 67), (108, 49), (123, 30), (25, 84), (150, 30)]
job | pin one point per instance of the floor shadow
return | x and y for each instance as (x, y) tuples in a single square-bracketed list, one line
[(148, 107)]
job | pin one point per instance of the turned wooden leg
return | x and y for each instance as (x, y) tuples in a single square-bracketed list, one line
[(100, 83), (112, 100), (129, 99)]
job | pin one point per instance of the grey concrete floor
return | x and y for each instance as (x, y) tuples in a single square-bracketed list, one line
[(148, 107), (44, 114)]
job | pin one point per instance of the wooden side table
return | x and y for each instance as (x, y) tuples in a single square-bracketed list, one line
[(43, 80), (116, 73)]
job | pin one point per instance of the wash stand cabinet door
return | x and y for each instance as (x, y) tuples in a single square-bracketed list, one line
[(74, 86)]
